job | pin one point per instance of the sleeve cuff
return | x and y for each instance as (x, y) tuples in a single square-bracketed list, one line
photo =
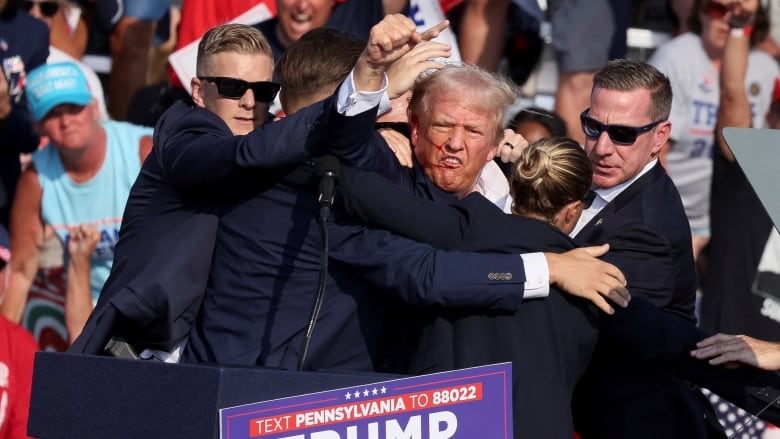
[(537, 275), (351, 102)]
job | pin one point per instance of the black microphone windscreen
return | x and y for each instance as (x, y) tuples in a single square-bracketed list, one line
[(329, 164)]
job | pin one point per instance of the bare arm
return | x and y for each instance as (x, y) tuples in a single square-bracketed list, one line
[(733, 350), (78, 296), (481, 38), (26, 242), (734, 108)]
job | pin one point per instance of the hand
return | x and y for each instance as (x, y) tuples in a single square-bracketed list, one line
[(82, 243), (743, 11), (403, 73), (581, 274), (733, 350), (512, 144), (5, 98), (389, 40), (399, 144)]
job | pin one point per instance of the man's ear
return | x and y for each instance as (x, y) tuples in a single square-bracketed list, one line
[(662, 133), (414, 125), (197, 92)]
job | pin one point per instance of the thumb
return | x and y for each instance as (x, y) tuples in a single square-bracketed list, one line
[(597, 251)]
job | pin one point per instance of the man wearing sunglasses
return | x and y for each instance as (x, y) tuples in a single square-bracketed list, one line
[(639, 213)]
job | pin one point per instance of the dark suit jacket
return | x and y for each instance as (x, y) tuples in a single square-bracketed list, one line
[(549, 342), (163, 256), (266, 268), (650, 241)]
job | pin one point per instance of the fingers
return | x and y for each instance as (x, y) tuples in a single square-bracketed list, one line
[(393, 31), (404, 72), (434, 31), (596, 250), (399, 144), (511, 146), (602, 304)]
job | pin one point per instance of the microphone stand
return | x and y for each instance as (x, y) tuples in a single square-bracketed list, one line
[(326, 200)]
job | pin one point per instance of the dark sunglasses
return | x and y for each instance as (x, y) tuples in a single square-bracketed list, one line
[(715, 11), (587, 199), (619, 134), (232, 88), (48, 9)]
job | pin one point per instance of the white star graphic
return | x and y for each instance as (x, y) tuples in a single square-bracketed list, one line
[(374, 391), (384, 390), (356, 394), (365, 392), (347, 395)]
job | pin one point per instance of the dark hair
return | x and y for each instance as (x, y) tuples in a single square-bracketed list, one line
[(632, 74), (549, 174), (549, 119), (316, 64)]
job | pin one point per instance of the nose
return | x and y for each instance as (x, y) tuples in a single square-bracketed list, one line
[(248, 99), (603, 145), (457, 140)]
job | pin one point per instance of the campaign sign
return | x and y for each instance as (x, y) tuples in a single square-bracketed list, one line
[(465, 403)]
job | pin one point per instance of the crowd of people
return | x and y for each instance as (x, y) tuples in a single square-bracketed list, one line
[(189, 223)]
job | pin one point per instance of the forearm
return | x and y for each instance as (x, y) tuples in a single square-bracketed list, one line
[(78, 297), (15, 298), (734, 108)]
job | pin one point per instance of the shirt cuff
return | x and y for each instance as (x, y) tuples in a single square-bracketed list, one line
[(537, 275), (351, 102)]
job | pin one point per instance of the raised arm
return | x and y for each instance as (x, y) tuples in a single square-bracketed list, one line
[(734, 108), (26, 231), (78, 296)]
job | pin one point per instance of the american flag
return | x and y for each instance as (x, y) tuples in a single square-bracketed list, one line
[(738, 423)]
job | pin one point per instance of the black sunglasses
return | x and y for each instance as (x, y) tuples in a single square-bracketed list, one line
[(619, 134), (587, 199), (233, 88), (48, 9)]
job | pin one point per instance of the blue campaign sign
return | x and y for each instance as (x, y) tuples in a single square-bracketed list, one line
[(465, 403)]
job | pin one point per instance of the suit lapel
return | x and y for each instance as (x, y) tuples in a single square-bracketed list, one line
[(625, 197)]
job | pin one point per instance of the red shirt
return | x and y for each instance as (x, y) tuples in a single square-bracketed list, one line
[(17, 349)]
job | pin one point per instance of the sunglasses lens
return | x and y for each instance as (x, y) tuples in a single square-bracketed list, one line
[(716, 10), (265, 91), (231, 88), (590, 127), (48, 8), (622, 135)]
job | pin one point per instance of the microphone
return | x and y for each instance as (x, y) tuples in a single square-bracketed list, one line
[(328, 172)]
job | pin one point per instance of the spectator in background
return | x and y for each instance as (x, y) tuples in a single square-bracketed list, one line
[(693, 62), (24, 45), (81, 179), (128, 27), (17, 349), (736, 298), (296, 17), (66, 34), (52, 13)]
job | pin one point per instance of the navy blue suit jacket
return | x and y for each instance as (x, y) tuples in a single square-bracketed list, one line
[(650, 242), (163, 256), (265, 272), (549, 342)]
